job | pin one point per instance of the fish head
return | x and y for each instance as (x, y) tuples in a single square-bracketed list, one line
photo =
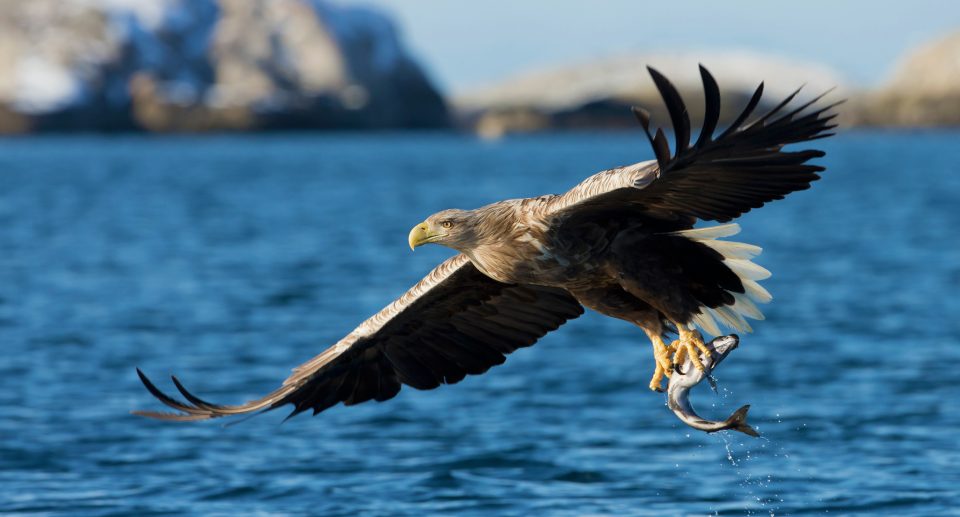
[(720, 348)]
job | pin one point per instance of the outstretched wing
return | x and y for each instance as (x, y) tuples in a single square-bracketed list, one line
[(717, 178), (454, 322)]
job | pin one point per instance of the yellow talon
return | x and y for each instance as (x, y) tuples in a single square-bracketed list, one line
[(657, 378), (664, 367), (691, 344), (679, 354)]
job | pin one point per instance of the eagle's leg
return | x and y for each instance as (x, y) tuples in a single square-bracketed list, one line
[(690, 344), (661, 356), (614, 300)]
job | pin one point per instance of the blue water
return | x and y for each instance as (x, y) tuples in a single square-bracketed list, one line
[(229, 260)]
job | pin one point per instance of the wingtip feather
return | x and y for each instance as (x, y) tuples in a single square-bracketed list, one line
[(197, 401)]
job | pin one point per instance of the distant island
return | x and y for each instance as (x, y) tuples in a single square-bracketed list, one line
[(923, 92), (207, 65), (598, 94), (260, 65)]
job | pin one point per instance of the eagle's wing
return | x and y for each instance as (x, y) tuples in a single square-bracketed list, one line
[(717, 178), (454, 322)]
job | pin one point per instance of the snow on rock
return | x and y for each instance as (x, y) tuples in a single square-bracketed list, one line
[(42, 86)]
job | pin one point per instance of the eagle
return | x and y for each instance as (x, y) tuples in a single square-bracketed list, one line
[(623, 243)]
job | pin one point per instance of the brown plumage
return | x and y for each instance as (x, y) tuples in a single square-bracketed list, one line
[(621, 242)]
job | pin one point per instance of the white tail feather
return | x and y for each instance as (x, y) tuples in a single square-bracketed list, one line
[(712, 232), (736, 256), (747, 269), (732, 318), (745, 306), (755, 292), (704, 319), (734, 250)]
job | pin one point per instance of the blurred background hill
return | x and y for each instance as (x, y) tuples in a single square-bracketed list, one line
[(924, 90), (195, 65), (248, 65), (599, 93)]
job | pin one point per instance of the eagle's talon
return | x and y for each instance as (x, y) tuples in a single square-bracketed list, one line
[(663, 365), (656, 380)]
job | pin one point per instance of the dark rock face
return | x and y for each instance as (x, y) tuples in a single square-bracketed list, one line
[(207, 65)]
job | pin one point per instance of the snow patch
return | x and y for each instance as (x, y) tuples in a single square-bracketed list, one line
[(43, 86)]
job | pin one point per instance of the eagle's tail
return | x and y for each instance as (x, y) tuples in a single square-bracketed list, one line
[(737, 257)]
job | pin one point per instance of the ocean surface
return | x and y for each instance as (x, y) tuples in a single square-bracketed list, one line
[(230, 260)]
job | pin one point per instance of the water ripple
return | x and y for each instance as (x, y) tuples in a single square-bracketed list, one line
[(228, 260)]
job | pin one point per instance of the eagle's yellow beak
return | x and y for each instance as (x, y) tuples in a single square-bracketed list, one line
[(419, 235)]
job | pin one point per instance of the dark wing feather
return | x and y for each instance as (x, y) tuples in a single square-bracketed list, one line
[(717, 178), (675, 106), (456, 321)]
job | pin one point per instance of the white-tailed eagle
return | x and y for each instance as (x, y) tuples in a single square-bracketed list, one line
[(622, 243)]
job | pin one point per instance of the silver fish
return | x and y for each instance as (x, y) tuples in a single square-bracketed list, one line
[(678, 392)]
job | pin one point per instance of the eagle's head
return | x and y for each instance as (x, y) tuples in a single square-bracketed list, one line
[(452, 228)]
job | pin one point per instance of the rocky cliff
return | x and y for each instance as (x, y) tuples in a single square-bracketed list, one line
[(193, 65)]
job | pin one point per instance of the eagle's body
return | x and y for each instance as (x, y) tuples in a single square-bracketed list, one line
[(519, 244), (622, 243)]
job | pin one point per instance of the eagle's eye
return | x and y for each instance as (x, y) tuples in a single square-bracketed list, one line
[(447, 224)]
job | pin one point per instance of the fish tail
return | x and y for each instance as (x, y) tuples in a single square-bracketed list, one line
[(738, 422)]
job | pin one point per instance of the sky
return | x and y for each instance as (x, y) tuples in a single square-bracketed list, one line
[(468, 44)]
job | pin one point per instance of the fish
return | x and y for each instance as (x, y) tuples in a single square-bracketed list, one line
[(686, 376)]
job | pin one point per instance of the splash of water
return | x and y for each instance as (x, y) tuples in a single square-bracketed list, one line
[(761, 487)]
